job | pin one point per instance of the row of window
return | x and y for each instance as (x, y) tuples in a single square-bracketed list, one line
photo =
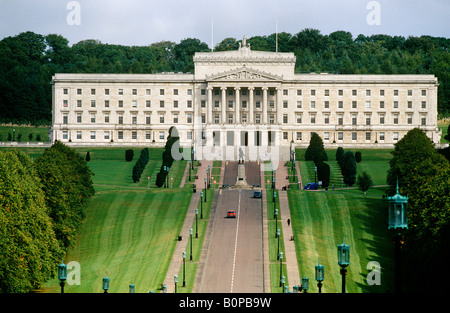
[(230, 91), (244, 118), (94, 135), (244, 104)]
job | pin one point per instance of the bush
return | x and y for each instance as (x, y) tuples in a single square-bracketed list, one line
[(129, 154), (349, 168), (140, 164), (364, 182), (339, 156), (357, 156), (88, 157), (323, 174)]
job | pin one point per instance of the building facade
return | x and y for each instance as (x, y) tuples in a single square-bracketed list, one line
[(242, 99)]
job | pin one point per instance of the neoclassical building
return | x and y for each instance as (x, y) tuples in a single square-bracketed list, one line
[(242, 99)]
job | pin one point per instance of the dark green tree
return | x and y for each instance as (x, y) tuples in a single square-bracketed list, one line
[(315, 151), (349, 168)]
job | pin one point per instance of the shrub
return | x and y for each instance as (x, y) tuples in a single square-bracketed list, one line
[(357, 156), (88, 157), (129, 154)]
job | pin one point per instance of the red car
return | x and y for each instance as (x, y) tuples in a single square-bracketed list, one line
[(231, 214)]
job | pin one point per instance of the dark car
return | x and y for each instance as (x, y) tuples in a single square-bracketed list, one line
[(257, 194), (311, 186)]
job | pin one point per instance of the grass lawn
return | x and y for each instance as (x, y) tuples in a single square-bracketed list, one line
[(25, 131), (130, 231), (321, 220)]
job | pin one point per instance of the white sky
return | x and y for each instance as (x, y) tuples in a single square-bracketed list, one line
[(143, 22)]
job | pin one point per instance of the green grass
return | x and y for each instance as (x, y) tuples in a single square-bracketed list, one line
[(25, 131), (321, 220), (130, 231)]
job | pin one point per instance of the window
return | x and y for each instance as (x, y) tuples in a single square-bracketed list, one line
[(79, 103), (340, 92), (120, 135), (134, 103), (410, 92), (340, 136), (148, 119), (120, 103), (424, 104), (92, 103), (313, 104), (327, 92), (354, 119), (382, 119), (92, 117), (326, 136), (299, 118), (189, 92), (354, 136), (230, 118), (92, 91), (395, 118), (161, 92), (285, 92), (381, 136), (340, 119), (203, 104), (271, 104), (106, 118), (409, 118), (148, 92), (299, 92), (175, 92), (313, 92), (79, 135), (134, 92), (258, 104), (285, 135), (79, 117), (424, 92), (216, 103), (244, 118), (368, 105), (148, 103), (382, 92), (65, 134), (93, 135), (354, 92), (120, 91), (79, 91), (368, 93), (161, 119), (368, 136), (326, 104), (189, 118), (175, 104), (395, 136), (216, 118), (230, 104), (106, 135), (423, 120), (189, 104), (258, 118), (395, 104), (271, 119), (396, 92), (299, 135), (203, 92), (409, 104), (175, 118), (299, 104), (381, 104), (161, 103), (65, 103), (148, 135), (134, 135), (313, 118), (327, 119), (161, 135), (285, 118), (367, 119), (189, 135), (285, 104), (120, 119), (65, 119), (134, 119), (106, 103)]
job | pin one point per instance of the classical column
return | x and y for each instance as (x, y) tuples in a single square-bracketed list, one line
[(279, 105), (250, 105), (264, 89), (210, 104), (238, 104), (224, 100)]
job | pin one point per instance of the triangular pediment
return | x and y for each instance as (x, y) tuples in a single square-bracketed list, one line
[(244, 74)]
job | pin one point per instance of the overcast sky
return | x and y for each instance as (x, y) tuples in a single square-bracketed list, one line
[(142, 22)]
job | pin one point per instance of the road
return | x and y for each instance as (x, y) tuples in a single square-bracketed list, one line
[(234, 261)]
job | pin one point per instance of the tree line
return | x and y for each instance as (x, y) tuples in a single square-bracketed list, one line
[(41, 210), (28, 61)]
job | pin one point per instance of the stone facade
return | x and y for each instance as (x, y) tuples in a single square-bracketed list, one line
[(243, 98)]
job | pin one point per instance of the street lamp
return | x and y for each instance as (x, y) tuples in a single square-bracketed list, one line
[(280, 256), (205, 189), (343, 261), (175, 280), (132, 288), (282, 282), (305, 284), (315, 174), (189, 164), (105, 284), (278, 248), (398, 221), (62, 275), (184, 268), (191, 232), (196, 223), (275, 216), (201, 205), (320, 273)]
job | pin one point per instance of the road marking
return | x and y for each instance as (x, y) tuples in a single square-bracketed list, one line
[(236, 241)]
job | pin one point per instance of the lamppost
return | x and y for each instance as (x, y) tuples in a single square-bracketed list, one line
[(201, 205), (208, 174), (205, 189), (305, 284), (175, 280), (62, 275), (184, 269), (191, 232), (196, 223), (282, 282), (278, 246), (132, 288), (343, 261), (281, 265), (192, 158), (275, 216), (320, 272), (293, 168), (398, 221), (189, 170), (315, 174), (167, 176), (105, 284)]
